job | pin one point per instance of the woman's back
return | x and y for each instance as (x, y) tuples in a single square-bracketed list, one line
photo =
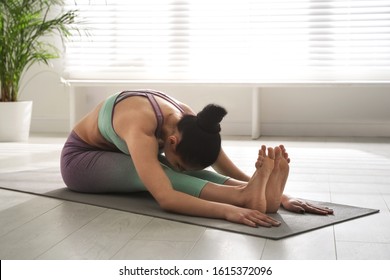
[(124, 112)]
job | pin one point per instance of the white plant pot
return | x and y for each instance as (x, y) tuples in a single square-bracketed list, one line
[(15, 120)]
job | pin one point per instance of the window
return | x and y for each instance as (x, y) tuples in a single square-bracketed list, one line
[(231, 40)]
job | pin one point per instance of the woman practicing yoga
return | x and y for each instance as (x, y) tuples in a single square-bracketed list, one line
[(144, 140)]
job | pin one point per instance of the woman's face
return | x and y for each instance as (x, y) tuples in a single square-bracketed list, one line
[(176, 162), (172, 157)]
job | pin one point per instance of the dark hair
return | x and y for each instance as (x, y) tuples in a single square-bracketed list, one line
[(201, 142)]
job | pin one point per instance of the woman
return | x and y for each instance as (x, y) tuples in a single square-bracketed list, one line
[(144, 140)]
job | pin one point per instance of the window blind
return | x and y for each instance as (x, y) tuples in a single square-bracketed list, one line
[(232, 40)]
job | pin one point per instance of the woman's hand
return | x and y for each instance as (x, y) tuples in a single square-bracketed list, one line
[(301, 206), (249, 217)]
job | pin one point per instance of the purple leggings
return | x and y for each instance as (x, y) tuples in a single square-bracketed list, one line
[(85, 168)]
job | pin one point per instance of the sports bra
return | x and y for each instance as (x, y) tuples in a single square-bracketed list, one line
[(106, 114)]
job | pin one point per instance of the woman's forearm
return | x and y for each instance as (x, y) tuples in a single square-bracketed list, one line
[(182, 203), (189, 205), (225, 166)]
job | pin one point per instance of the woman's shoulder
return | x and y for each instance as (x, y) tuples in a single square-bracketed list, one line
[(134, 113), (187, 109)]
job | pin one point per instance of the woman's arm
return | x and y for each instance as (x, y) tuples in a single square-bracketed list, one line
[(144, 154), (144, 150), (143, 147), (225, 166)]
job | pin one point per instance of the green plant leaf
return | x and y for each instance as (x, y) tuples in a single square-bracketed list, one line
[(25, 26)]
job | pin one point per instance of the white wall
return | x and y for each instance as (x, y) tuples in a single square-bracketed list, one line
[(42, 84), (326, 111), (285, 111)]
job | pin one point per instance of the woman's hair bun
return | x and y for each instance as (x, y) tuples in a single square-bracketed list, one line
[(209, 118)]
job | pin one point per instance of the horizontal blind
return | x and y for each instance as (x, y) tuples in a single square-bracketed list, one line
[(322, 40), (253, 40)]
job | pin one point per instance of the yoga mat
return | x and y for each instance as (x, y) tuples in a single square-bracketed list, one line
[(48, 182)]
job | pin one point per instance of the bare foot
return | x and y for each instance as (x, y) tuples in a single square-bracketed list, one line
[(284, 153), (255, 190), (277, 180)]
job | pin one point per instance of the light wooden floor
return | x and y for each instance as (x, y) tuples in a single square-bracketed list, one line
[(353, 171)]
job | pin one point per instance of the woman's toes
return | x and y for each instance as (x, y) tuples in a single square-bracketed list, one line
[(278, 153), (271, 153), (284, 153)]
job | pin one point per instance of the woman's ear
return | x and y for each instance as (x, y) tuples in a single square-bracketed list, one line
[(173, 141)]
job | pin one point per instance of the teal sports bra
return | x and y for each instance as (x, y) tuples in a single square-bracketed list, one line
[(106, 113)]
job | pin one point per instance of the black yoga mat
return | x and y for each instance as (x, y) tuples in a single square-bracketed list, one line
[(48, 182)]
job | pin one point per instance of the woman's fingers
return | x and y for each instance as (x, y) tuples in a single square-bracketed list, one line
[(249, 222), (297, 206), (310, 208), (303, 207), (264, 220), (250, 217)]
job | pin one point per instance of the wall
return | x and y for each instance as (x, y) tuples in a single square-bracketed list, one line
[(42, 84), (285, 111), (326, 111)]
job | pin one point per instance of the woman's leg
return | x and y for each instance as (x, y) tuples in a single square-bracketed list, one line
[(278, 179), (112, 172), (275, 185), (251, 195), (86, 169), (96, 171)]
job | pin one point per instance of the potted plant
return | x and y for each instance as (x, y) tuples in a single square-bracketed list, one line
[(25, 26)]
